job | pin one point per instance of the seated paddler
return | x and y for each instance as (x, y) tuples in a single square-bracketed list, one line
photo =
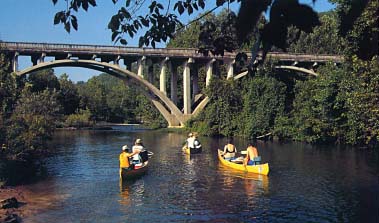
[(124, 158), (230, 150)]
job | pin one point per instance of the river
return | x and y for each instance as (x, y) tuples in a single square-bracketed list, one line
[(305, 183)]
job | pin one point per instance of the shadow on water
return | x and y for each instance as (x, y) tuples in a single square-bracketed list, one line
[(15, 172)]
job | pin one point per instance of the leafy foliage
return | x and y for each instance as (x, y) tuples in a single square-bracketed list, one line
[(32, 122), (68, 95), (324, 39), (358, 23), (161, 23), (263, 103), (219, 117), (80, 119)]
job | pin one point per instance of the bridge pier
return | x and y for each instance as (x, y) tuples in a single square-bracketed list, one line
[(15, 62), (174, 84), (116, 61), (230, 68), (209, 71), (195, 80), (150, 70), (187, 86), (162, 76), (140, 66)]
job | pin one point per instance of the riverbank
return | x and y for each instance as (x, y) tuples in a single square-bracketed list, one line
[(31, 200)]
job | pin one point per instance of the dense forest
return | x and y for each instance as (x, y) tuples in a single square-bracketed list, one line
[(338, 106)]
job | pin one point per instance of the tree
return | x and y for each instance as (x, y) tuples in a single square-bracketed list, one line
[(324, 39), (31, 123), (161, 22), (358, 23), (95, 93), (44, 79), (68, 95)]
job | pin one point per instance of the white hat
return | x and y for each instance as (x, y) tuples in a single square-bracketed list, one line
[(125, 147), (138, 141)]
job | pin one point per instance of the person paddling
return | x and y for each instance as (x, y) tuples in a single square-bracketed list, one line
[(251, 155), (124, 159), (230, 150)]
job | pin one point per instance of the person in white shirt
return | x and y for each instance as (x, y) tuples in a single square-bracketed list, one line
[(193, 143), (140, 149)]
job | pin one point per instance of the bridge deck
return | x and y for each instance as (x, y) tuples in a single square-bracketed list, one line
[(51, 49)]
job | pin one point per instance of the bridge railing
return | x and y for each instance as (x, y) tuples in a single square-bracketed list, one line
[(26, 48)]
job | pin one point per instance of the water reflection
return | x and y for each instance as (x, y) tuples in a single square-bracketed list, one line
[(253, 182), (124, 193)]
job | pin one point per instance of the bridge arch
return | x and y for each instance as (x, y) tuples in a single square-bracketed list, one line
[(174, 117)]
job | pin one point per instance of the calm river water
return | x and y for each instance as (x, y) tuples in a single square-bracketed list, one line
[(306, 184)]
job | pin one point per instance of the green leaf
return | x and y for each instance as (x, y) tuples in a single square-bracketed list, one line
[(123, 42), (58, 17), (114, 35), (220, 2), (85, 5), (67, 27), (160, 6), (130, 32), (145, 22), (195, 6), (125, 13), (92, 2), (190, 9), (201, 4), (180, 8), (74, 22), (114, 24), (141, 41)]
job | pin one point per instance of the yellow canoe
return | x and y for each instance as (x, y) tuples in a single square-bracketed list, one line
[(259, 169)]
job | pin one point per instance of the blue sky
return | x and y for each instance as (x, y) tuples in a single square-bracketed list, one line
[(32, 21)]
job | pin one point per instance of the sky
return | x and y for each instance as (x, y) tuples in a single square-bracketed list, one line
[(32, 21)]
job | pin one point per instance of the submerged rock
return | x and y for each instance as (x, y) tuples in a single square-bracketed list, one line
[(12, 218), (9, 203)]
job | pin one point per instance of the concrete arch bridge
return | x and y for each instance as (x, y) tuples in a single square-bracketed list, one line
[(119, 61)]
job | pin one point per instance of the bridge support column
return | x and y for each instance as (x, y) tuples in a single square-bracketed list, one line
[(117, 60), (150, 70), (42, 58), (174, 83), (209, 70), (195, 80), (187, 87), (141, 65), (34, 59), (230, 68), (128, 64), (162, 76), (15, 62)]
